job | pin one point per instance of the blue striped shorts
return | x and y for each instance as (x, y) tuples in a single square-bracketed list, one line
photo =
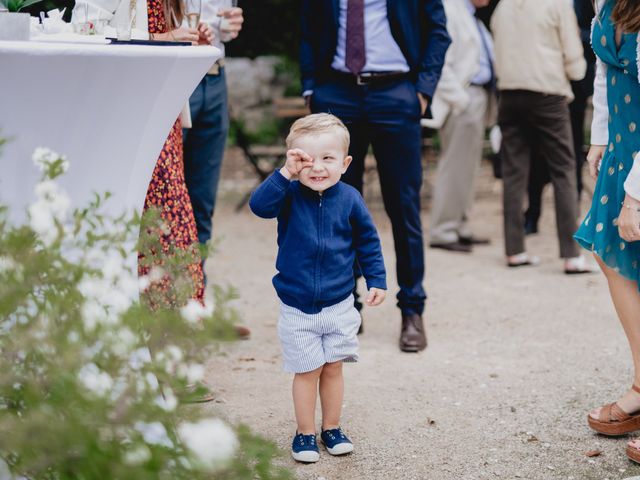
[(311, 340)]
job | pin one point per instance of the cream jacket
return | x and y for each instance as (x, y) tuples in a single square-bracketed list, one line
[(537, 46), (600, 123), (462, 62)]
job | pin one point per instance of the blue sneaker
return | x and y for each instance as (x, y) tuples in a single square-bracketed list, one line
[(336, 441), (304, 448)]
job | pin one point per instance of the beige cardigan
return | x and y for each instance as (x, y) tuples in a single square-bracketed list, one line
[(537, 46)]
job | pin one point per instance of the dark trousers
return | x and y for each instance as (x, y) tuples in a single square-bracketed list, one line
[(387, 117), (539, 177), (526, 119), (204, 148)]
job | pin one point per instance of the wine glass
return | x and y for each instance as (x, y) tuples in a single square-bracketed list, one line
[(193, 9)]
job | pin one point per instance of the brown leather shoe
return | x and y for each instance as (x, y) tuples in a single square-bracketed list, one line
[(412, 336)]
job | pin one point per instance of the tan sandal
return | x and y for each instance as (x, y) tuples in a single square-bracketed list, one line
[(633, 454), (614, 421)]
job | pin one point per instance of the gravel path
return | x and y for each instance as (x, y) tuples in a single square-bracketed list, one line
[(515, 360)]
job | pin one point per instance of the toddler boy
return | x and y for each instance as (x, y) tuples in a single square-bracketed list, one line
[(323, 228)]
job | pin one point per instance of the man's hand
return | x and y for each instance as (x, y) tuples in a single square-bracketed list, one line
[(376, 297), (629, 220), (231, 22), (297, 160), (205, 33), (594, 157), (424, 103)]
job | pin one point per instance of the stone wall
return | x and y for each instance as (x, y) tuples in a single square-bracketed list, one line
[(252, 85)]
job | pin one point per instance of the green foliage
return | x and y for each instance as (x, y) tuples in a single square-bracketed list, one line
[(17, 5), (95, 383)]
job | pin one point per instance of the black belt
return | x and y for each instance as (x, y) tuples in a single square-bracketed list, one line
[(369, 78)]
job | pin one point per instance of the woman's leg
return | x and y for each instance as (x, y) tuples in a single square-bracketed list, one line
[(331, 394), (305, 392), (626, 299)]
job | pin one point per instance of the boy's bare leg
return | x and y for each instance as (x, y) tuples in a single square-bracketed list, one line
[(305, 392), (331, 394)]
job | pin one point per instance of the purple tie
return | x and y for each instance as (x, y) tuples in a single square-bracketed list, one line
[(355, 55)]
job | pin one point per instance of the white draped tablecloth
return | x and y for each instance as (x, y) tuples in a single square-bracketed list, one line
[(108, 108)]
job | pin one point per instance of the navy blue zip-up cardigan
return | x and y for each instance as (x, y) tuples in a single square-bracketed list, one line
[(319, 237)]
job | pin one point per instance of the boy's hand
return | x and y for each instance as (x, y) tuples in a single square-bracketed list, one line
[(376, 297), (297, 160)]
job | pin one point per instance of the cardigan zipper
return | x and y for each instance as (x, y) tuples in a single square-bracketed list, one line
[(320, 248)]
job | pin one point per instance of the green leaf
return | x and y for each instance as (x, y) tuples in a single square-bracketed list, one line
[(27, 3)]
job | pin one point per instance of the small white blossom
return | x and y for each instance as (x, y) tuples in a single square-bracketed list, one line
[(92, 314), (95, 380), (43, 157), (174, 352), (139, 357), (42, 222), (7, 264), (167, 401), (137, 455), (193, 372), (156, 274), (144, 282), (194, 311), (154, 433), (211, 441)]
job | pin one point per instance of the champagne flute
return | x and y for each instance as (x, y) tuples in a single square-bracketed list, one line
[(193, 9)]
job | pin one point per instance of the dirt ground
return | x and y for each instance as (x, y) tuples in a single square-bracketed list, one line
[(515, 359)]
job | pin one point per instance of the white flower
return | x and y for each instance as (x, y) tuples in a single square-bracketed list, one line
[(43, 156), (136, 456), (113, 266), (92, 314), (167, 401), (42, 222), (139, 357), (56, 199), (194, 311), (7, 264), (156, 274), (95, 380), (174, 352), (193, 372), (211, 441), (154, 433), (144, 282)]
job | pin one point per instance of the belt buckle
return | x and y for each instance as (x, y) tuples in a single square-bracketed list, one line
[(363, 78)]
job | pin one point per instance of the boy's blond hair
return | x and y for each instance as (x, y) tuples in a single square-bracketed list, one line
[(319, 123)]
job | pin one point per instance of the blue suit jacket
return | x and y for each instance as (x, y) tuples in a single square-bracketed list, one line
[(418, 26)]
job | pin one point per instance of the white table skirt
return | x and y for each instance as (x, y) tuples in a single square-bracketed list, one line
[(108, 108)]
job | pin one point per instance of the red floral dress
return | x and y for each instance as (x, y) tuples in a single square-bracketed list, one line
[(168, 193)]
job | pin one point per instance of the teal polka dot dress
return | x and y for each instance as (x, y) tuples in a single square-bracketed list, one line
[(599, 230)]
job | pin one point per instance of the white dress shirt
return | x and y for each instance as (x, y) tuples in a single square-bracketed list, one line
[(210, 9)]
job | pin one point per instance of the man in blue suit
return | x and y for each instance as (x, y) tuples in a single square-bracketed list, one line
[(375, 64)]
